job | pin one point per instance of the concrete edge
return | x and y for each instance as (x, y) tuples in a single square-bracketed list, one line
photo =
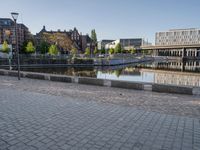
[(127, 85), (90, 81), (59, 78), (107, 83), (172, 89)]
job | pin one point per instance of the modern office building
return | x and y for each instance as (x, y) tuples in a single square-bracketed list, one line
[(7, 32), (178, 37), (183, 43)]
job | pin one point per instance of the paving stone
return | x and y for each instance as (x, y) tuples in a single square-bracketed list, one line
[(40, 120)]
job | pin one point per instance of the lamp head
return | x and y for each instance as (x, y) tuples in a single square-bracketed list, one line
[(14, 15)]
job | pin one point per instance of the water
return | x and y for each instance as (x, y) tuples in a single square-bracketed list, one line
[(168, 72)]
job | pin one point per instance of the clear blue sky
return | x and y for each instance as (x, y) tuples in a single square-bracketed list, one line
[(112, 19)]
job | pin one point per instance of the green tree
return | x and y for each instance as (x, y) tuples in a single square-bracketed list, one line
[(23, 48), (30, 48), (95, 50), (74, 50), (133, 51), (87, 51), (44, 47), (53, 50), (118, 72), (62, 40), (103, 51), (111, 51), (118, 48), (5, 48), (94, 36)]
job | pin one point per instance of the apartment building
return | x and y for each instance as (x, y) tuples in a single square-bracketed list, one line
[(7, 32), (81, 42)]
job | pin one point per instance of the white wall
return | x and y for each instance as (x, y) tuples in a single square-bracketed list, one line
[(112, 44)]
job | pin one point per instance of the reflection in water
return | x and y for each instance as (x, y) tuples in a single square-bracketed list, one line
[(168, 72), (177, 78), (69, 71)]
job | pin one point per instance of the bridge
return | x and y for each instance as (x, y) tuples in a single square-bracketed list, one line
[(184, 51)]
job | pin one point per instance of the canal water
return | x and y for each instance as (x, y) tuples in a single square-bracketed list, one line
[(165, 72)]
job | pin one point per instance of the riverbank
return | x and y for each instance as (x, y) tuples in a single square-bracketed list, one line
[(189, 90), (40, 63)]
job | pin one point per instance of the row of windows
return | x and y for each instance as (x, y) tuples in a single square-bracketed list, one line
[(177, 43), (179, 40), (178, 37), (197, 32)]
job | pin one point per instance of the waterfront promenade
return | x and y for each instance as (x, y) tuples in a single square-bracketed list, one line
[(40, 114)]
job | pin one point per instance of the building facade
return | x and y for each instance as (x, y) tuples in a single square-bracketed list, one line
[(127, 44), (7, 32), (178, 37), (184, 43), (77, 40), (101, 44)]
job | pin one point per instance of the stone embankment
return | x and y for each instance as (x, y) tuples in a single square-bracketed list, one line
[(108, 83)]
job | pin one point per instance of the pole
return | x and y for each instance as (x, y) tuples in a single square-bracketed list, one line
[(17, 49)]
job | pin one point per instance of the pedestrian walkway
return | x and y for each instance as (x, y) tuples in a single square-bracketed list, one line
[(35, 121)]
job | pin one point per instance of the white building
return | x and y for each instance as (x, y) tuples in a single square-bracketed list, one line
[(127, 44), (178, 37)]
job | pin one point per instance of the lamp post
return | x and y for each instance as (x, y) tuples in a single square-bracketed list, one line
[(15, 16)]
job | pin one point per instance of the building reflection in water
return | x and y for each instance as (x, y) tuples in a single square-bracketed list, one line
[(168, 72), (175, 73)]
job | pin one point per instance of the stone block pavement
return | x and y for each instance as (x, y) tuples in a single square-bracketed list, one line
[(37, 121)]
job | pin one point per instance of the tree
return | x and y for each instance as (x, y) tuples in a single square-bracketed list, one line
[(74, 50), (30, 48), (111, 51), (94, 36), (5, 48), (44, 47), (62, 40), (87, 51), (23, 48), (133, 51), (118, 72), (53, 50), (95, 50), (118, 48), (103, 51)]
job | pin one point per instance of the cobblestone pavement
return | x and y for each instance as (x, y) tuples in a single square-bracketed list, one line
[(173, 104), (40, 120)]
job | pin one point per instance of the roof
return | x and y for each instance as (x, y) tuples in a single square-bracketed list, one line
[(174, 30)]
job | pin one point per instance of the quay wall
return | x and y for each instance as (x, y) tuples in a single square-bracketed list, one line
[(107, 83)]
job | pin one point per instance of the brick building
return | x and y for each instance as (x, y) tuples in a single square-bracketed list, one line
[(81, 42), (7, 32)]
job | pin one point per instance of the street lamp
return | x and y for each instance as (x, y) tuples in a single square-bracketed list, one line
[(15, 16)]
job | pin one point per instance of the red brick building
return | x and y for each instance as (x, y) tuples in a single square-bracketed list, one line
[(7, 32)]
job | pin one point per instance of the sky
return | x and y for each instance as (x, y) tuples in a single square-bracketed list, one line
[(112, 19)]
